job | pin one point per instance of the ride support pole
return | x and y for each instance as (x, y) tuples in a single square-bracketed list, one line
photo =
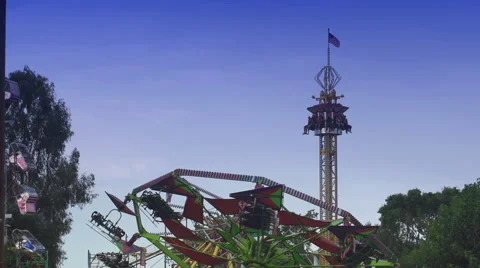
[(3, 20)]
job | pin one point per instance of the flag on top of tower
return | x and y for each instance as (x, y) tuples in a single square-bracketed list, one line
[(333, 40)]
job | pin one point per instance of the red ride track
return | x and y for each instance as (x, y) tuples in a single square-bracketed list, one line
[(265, 181)]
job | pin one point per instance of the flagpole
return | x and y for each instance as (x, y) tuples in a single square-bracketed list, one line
[(3, 177), (327, 73), (328, 48)]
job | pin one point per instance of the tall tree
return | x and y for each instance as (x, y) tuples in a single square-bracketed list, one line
[(405, 218), (453, 239), (43, 123)]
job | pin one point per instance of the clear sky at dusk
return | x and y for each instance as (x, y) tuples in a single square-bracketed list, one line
[(223, 86)]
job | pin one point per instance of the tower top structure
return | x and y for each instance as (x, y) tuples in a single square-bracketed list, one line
[(328, 115), (328, 78)]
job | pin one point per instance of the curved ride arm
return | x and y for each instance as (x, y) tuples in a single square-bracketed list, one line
[(156, 239), (268, 182), (253, 179), (119, 217), (153, 238)]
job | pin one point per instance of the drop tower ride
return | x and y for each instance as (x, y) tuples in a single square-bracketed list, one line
[(327, 122)]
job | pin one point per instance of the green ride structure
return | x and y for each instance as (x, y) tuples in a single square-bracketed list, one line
[(240, 231)]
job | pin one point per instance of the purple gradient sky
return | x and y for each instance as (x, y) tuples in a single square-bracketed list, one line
[(159, 85)]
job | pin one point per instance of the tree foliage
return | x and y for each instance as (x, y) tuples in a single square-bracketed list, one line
[(453, 239), (434, 229), (43, 123), (405, 218)]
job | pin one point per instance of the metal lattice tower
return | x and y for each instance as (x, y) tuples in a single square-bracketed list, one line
[(328, 122)]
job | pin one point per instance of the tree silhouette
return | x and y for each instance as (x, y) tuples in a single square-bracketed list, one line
[(43, 123)]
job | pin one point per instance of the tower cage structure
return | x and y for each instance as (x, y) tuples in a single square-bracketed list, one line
[(328, 121)]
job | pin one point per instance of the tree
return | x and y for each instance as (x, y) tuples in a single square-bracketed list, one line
[(405, 218), (43, 123), (453, 238)]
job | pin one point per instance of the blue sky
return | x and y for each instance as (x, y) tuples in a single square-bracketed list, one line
[(223, 86)]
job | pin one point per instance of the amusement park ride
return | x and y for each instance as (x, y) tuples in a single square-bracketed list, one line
[(240, 230), (244, 230), (328, 121), (23, 249)]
